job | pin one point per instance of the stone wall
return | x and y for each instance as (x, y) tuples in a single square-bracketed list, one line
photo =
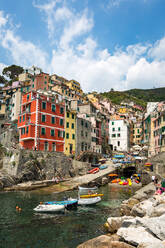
[(27, 165), (158, 162)]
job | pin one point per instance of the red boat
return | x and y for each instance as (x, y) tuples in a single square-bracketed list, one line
[(93, 171)]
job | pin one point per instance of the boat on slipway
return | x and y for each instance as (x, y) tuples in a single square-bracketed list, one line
[(86, 190), (55, 206)]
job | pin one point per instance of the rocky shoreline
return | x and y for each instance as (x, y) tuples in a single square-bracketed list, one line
[(141, 225)]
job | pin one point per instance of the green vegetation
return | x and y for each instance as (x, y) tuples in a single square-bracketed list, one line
[(138, 96)]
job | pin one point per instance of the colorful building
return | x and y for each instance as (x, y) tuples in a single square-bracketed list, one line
[(70, 132), (40, 81), (41, 122), (74, 86)]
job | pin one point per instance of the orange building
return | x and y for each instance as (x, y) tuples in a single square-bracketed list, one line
[(40, 81), (41, 122)]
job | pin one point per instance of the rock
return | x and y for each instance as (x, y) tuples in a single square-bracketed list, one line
[(114, 223), (104, 241), (104, 180), (158, 210), (138, 235), (143, 208), (155, 226)]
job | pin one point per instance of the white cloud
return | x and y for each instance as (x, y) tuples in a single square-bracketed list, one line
[(136, 66), (2, 66), (158, 50), (3, 19)]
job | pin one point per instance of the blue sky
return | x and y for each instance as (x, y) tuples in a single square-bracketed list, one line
[(103, 44)]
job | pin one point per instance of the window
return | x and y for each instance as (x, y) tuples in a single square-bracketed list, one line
[(53, 107), (72, 125), (45, 88), (86, 125), (43, 118), (52, 132), (23, 130), (46, 146), (27, 97), (61, 122), (72, 116), (113, 135), (53, 147), (32, 85), (118, 143), (113, 129), (138, 131), (61, 110), (67, 124), (20, 119), (73, 136), (86, 134), (82, 122), (53, 120), (67, 135), (82, 134), (27, 129), (118, 135), (23, 117), (60, 134), (118, 128), (67, 115), (43, 105), (42, 130), (112, 122), (45, 82)]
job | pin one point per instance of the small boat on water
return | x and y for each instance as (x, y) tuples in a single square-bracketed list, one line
[(91, 195), (93, 171), (46, 208), (55, 206), (87, 189), (89, 201), (102, 167)]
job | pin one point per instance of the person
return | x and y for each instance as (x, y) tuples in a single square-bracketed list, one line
[(156, 180), (153, 178)]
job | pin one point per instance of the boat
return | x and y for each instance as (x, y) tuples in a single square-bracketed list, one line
[(95, 165), (89, 201), (102, 161), (91, 195), (87, 189), (93, 171), (55, 206), (46, 208), (117, 180), (102, 167)]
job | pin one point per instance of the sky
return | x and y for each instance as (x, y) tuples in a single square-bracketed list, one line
[(102, 44)]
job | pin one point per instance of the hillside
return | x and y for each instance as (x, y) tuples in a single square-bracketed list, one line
[(139, 96)]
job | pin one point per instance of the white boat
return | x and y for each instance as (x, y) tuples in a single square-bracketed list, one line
[(83, 190), (89, 201), (46, 208)]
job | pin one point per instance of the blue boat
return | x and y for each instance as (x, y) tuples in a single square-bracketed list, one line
[(119, 156), (102, 167), (68, 204)]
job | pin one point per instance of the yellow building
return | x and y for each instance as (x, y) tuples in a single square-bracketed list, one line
[(70, 132), (137, 133), (92, 97), (2, 109), (74, 86)]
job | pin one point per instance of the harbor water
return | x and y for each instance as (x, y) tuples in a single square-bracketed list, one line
[(27, 229)]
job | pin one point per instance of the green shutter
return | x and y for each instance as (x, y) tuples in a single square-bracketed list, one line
[(42, 130), (52, 132), (43, 118)]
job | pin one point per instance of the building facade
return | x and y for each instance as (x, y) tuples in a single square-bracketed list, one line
[(70, 132), (41, 122), (119, 135)]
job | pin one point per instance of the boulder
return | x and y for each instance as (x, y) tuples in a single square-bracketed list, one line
[(158, 210), (104, 241), (104, 180), (138, 235), (155, 226), (143, 208), (114, 223)]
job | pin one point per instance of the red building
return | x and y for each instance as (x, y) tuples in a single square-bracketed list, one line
[(40, 81), (41, 122)]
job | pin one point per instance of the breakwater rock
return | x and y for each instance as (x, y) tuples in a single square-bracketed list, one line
[(143, 226)]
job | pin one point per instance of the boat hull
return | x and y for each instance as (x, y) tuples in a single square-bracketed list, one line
[(90, 195), (89, 201)]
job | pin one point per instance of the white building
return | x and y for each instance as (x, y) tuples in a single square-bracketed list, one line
[(16, 105), (119, 135)]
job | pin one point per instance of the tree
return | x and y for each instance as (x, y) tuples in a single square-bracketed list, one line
[(3, 80), (12, 71)]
